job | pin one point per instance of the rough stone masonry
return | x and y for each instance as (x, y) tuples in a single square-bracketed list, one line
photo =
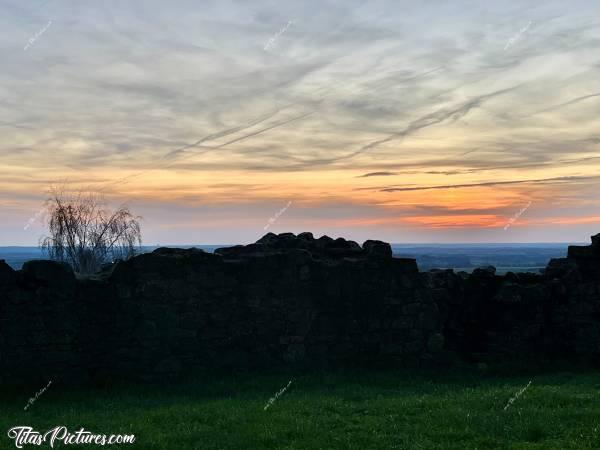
[(286, 299)]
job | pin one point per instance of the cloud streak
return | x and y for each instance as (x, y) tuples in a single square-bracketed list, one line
[(490, 183), (177, 107)]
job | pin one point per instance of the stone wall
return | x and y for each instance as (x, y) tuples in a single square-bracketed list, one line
[(551, 315), (285, 300)]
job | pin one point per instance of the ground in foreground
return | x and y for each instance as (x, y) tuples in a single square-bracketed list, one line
[(350, 409)]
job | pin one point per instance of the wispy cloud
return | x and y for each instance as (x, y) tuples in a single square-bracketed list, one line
[(491, 183), (180, 108), (377, 174)]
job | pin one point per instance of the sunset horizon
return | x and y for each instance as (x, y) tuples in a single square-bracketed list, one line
[(311, 224), (457, 123)]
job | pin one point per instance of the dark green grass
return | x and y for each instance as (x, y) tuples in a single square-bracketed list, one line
[(354, 409)]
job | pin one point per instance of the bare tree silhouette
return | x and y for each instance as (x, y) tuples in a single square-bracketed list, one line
[(84, 233)]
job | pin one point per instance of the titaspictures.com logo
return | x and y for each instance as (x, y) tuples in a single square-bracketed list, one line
[(24, 435)]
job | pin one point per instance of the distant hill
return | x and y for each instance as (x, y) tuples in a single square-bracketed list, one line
[(17, 256), (505, 257)]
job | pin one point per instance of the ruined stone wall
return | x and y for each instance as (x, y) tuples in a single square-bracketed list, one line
[(285, 300), (551, 315)]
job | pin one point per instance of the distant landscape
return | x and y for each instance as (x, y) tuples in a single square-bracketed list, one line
[(460, 257), (17, 256), (466, 257)]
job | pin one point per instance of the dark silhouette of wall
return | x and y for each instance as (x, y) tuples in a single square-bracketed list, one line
[(284, 300)]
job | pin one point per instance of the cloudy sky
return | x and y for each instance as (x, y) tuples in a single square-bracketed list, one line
[(430, 121)]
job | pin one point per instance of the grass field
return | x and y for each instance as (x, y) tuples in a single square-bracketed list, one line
[(354, 409)]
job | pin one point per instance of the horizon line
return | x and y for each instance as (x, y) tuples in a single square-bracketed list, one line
[(391, 243)]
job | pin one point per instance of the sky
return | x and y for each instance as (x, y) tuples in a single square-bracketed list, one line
[(217, 122)]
